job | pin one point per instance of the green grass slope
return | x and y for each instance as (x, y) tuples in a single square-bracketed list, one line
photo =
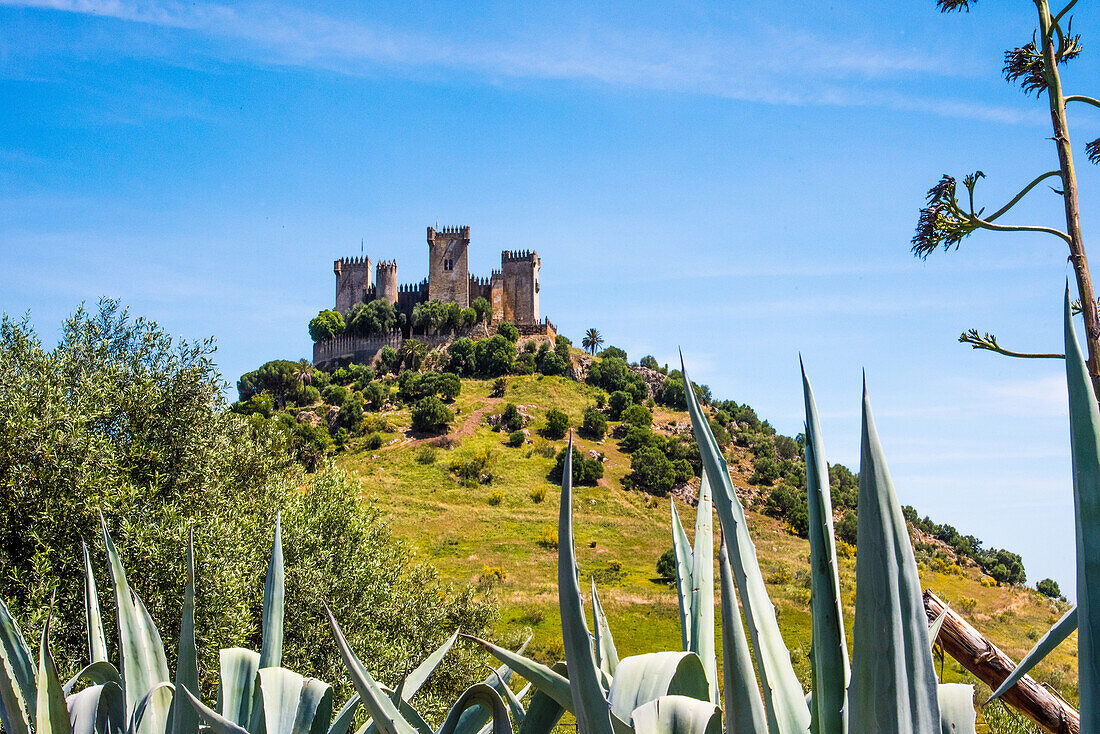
[(470, 532)]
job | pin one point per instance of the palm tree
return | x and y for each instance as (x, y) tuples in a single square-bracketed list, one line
[(592, 341), (303, 373)]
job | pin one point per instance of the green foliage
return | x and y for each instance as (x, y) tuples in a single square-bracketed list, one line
[(650, 362), (847, 528), (388, 360), (351, 413), (473, 469), (557, 423), (433, 316), (412, 386), (561, 348), (326, 325), (525, 363), (426, 454), (1004, 566), (431, 415), (260, 404), (637, 437), (308, 444), (373, 442), (500, 385), (508, 330), (376, 318), (592, 341), (412, 353), (516, 439), (614, 374), (494, 356), (551, 363), (481, 307), (593, 424), (1049, 587), (637, 415), (279, 378), (510, 419), (617, 402), (765, 471), (666, 564), (586, 470), (460, 357), (335, 395), (468, 317), (615, 352), (650, 470), (787, 503)]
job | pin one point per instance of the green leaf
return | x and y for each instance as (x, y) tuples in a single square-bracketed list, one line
[(681, 546), (513, 701), (479, 694), (543, 712), (237, 695), (382, 710), (677, 715), (271, 653), (549, 681), (1084, 421), (957, 714), (702, 592), (183, 719), (643, 678), (342, 722), (97, 644), (18, 689), (294, 704), (1062, 629), (934, 628), (160, 698), (784, 700), (218, 724), (414, 680), (893, 687), (744, 708), (96, 673), (607, 657), (144, 665), (829, 652), (51, 712), (97, 709), (584, 678)]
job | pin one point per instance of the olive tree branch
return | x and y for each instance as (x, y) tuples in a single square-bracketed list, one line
[(989, 342)]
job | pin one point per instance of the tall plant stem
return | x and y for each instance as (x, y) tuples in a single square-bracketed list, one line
[(1070, 196)]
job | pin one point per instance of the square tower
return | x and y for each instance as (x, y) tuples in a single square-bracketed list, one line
[(354, 281), (520, 286), (448, 265)]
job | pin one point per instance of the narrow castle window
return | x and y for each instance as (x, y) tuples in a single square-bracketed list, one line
[(448, 264)]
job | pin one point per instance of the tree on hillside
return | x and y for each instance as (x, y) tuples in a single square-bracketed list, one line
[(326, 325), (592, 341), (945, 221)]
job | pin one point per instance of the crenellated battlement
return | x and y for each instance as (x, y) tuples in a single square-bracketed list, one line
[(387, 265), (412, 287), (511, 256), (363, 261), (463, 231)]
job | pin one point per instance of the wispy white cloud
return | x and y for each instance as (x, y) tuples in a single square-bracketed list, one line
[(800, 69)]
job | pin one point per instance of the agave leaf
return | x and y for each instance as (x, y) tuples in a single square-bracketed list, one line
[(271, 653), (382, 710), (829, 651), (934, 628), (96, 673), (894, 684), (543, 712), (584, 678), (607, 657), (957, 714), (684, 587), (479, 694), (218, 724), (18, 689), (1062, 629), (183, 719), (784, 701), (144, 665), (51, 713), (97, 644), (513, 701), (702, 591), (159, 697), (414, 680), (98, 709), (543, 678), (1084, 421), (643, 678), (237, 694), (677, 715), (744, 708), (294, 704), (342, 722)]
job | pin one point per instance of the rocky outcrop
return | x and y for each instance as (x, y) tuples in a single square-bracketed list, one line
[(652, 378)]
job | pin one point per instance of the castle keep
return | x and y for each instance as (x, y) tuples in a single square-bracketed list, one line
[(512, 292)]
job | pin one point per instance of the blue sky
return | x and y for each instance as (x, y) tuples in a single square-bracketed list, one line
[(741, 182)]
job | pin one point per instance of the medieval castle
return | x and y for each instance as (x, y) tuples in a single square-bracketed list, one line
[(512, 292)]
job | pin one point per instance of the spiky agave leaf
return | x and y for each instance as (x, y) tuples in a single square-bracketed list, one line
[(1062, 629), (681, 548), (543, 712), (1084, 421), (744, 708), (893, 689), (93, 622), (18, 689), (294, 704), (51, 713), (829, 651), (607, 657), (702, 590), (479, 694), (590, 706), (784, 701), (182, 719), (98, 709), (644, 678), (238, 696), (957, 714), (677, 715), (271, 653)]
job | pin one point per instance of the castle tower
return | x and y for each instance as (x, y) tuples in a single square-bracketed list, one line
[(354, 281), (519, 284), (386, 288), (448, 265)]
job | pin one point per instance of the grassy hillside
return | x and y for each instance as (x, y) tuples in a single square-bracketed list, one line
[(467, 532)]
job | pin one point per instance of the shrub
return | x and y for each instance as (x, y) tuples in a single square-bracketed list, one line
[(544, 448), (388, 360), (845, 549), (499, 386), (780, 577), (525, 364), (326, 325), (787, 503), (848, 527), (765, 471), (351, 413), (988, 581), (638, 437), (374, 441), (372, 319), (617, 402), (683, 470), (586, 470), (651, 470), (552, 364), (516, 439), (431, 416), (492, 575), (614, 352), (549, 538), (610, 575), (557, 423), (426, 454), (335, 395), (468, 317), (375, 395), (481, 307), (637, 415), (666, 564), (474, 469), (968, 604), (594, 424), (460, 357), (494, 356), (508, 330), (1049, 587), (496, 497), (537, 494), (650, 362), (510, 419)]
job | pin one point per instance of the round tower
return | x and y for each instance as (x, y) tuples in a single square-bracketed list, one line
[(386, 288)]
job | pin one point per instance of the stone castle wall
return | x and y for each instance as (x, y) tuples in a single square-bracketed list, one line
[(345, 349), (449, 265)]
